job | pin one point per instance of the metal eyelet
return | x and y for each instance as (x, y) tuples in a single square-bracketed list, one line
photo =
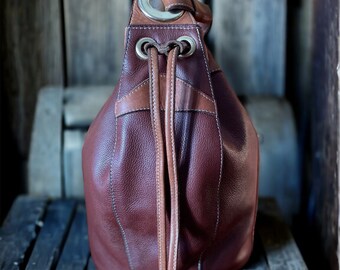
[(156, 14), (191, 43), (141, 53)]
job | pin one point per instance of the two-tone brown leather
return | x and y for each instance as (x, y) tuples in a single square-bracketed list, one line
[(170, 163)]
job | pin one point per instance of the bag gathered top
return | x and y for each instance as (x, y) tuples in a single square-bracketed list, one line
[(170, 163)]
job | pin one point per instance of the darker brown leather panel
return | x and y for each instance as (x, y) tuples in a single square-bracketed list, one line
[(187, 99)]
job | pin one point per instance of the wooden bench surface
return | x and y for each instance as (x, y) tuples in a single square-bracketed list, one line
[(52, 234)]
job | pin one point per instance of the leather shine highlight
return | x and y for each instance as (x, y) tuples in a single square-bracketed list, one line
[(216, 159)]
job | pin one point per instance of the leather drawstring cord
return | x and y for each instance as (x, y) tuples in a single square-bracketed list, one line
[(165, 262)]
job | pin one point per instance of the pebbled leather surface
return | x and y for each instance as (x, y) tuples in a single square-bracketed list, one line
[(217, 163)]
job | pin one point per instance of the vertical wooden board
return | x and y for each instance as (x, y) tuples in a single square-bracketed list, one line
[(51, 238), (44, 168), (19, 231), (32, 58), (73, 176), (324, 195), (94, 40), (279, 167), (249, 38), (76, 250)]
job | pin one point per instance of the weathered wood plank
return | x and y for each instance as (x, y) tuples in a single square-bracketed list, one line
[(279, 245), (51, 238), (19, 231), (94, 40), (324, 197), (83, 103), (44, 168), (279, 168), (73, 176), (32, 58), (76, 250), (249, 38)]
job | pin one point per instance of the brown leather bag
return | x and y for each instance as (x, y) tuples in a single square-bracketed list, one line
[(171, 161)]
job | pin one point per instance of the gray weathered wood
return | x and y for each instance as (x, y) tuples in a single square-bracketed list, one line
[(83, 103), (51, 238), (73, 176), (76, 250), (32, 58), (19, 231), (249, 38), (94, 40), (278, 242), (279, 168), (324, 197), (44, 169)]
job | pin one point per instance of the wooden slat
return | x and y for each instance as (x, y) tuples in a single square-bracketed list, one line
[(83, 103), (76, 250), (324, 197), (19, 231), (249, 38), (44, 169), (73, 176), (279, 167), (32, 58), (51, 238), (278, 242), (94, 40)]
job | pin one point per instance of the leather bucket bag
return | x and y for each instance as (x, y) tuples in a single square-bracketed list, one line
[(170, 163)]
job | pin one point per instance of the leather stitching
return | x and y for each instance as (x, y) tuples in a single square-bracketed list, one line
[(133, 91), (163, 75), (173, 78), (221, 145), (177, 111), (159, 234), (162, 27), (114, 208)]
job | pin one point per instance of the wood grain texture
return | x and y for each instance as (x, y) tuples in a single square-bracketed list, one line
[(324, 195), (76, 250), (44, 168), (19, 231), (51, 238), (32, 58), (94, 40), (62, 241), (249, 44)]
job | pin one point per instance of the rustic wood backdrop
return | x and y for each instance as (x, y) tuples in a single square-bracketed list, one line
[(289, 84)]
